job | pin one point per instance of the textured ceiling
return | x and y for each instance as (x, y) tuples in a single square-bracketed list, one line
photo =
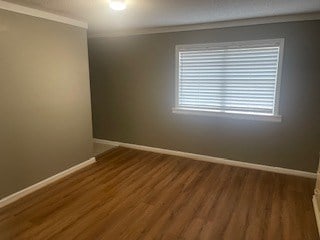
[(159, 13)]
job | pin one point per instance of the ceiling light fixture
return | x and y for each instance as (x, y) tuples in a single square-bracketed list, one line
[(117, 5)]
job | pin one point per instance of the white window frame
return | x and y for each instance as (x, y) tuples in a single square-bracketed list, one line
[(275, 117)]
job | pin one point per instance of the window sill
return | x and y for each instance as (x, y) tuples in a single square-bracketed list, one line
[(266, 118)]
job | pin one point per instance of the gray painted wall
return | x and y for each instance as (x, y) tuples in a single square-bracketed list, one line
[(132, 82), (44, 100)]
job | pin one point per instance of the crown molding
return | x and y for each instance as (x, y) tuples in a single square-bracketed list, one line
[(213, 25), (41, 14)]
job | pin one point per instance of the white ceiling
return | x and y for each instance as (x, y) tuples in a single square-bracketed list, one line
[(142, 14)]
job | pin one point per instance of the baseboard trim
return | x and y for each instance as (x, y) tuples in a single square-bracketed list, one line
[(206, 158), (316, 212), (41, 14), (26, 191)]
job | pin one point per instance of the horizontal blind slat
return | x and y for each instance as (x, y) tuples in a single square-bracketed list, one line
[(231, 50), (229, 79)]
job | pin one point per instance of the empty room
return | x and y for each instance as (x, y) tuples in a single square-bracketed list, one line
[(172, 120)]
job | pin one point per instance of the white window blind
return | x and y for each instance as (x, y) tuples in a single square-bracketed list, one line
[(236, 78)]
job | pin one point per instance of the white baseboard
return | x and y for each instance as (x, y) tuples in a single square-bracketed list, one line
[(316, 212), (26, 191), (211, 159)]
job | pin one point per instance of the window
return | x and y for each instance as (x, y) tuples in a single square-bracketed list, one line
[(235, 79)]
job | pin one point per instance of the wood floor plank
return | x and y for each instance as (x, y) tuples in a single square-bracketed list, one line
[(131, 194)]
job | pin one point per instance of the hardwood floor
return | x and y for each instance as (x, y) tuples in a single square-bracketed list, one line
[(131, 194)]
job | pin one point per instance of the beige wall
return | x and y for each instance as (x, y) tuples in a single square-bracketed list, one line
[(132, 82), (45, 108)]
